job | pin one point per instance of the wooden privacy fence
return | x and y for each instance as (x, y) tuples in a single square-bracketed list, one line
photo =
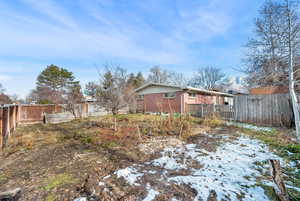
[(12, 115), (9, 119), (204, 110), (273, 109)]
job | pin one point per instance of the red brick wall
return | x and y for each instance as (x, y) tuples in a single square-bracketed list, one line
[(157, 103), (199, 99)]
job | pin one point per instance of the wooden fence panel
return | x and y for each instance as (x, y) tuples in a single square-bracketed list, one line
[(273, 109), (12, 115)]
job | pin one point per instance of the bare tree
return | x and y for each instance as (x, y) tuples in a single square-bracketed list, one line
[(2, 90), (208, 77), (4, 99), (161, 76), (178, 79), (267, 61), (110, 93), (158, 75), (16, 99), (274, 54), (293, 31), (74, 97), (264, 63)]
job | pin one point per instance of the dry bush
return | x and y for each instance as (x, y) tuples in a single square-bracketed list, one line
[(150, 125), (174, 124), (214, 120)]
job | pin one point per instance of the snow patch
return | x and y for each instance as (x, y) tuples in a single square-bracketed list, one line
[(81, 199), (232, 170), (249, 126), (151, 193), (101, 183), (130, 174)]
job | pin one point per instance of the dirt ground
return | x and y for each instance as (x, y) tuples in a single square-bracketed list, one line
[(69, 160)]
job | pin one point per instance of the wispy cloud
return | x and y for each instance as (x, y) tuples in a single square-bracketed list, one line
[(52, 10), (135, 33), (122, 35), (4, 77)]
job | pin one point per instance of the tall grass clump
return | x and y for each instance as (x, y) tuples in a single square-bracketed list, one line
[(214, 120)]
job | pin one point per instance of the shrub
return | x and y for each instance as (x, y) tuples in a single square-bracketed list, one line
[(213, 121)]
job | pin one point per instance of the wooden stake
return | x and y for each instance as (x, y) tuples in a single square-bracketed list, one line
[(181, 128), (115, 125), (139, 133)]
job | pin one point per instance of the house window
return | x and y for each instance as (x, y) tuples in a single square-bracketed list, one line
[(192, 95), (170, 95), (140, 97)]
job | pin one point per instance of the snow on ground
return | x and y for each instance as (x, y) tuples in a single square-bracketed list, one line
[(130, 174), (235, 171), (151, 193), (81, 199), (232, 171), (249, 126)]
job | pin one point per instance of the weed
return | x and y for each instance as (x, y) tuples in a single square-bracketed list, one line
[(270, 192), (213, 121), (3, 178), (293, 194), (50, 197), (109, 145), (58, 181), (294, 148)]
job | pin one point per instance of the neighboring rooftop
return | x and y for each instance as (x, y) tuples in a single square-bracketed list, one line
[(181, 88)]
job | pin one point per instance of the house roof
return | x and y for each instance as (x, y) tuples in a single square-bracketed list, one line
[(207, 91), (183, 88)]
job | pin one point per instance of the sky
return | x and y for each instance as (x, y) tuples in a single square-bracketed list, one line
[(83, 35)]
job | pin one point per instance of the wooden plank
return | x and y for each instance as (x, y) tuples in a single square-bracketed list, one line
[(1, 129)]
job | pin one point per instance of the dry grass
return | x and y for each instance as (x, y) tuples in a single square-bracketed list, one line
[(44, 156), (107, 131), (57, 181), (213, 121), (56, 159)]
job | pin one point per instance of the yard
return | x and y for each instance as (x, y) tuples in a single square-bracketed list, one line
[(146, 157)]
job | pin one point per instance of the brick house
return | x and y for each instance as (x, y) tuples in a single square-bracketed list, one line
[(153, 97)]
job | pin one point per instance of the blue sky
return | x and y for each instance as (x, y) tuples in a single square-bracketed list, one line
[(82, 35)]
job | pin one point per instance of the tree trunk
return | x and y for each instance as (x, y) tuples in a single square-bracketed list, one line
[(291, 75)]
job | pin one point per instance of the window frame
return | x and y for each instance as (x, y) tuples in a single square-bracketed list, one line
[(194, 95), (140, 97), (169, 97)]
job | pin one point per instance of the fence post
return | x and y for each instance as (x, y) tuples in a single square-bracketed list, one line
[(19, 113), (7, 132), (14, 107), (1, 130)]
